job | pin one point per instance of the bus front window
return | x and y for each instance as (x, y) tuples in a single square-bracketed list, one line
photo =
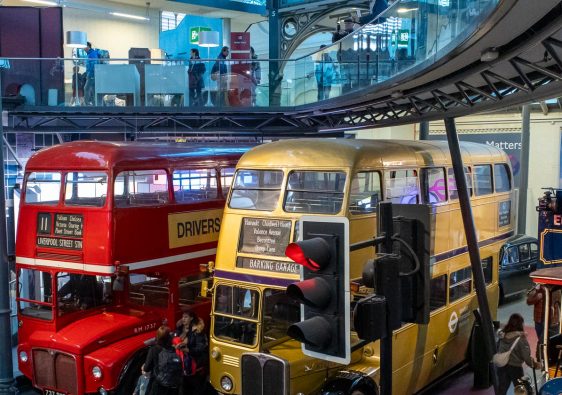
[(318, 192), (236, 314), (256, 189), (43, 188), (35, 294), (81, 292), (279, 312)]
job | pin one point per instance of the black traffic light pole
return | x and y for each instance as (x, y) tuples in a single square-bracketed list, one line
[(471, 239), (386, 239), (387, 226)]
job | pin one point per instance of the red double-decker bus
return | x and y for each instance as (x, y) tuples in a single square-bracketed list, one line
[(110, 244)]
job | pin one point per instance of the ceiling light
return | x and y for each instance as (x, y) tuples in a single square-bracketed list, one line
[(43, 2), (139, 18), (404, 10)]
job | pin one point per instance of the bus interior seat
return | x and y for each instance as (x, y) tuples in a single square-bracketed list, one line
[(242, 203)]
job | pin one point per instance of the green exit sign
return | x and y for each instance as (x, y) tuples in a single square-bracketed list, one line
[(403, 37), (194, 33)]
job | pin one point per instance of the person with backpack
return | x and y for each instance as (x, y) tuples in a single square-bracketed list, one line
[(164, 364), (196, 81), (89, 86), (520, 353)]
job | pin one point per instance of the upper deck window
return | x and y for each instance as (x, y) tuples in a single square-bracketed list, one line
[(434, 189), (227, 175), (141, 188), (315, 192), (86, 189), (256, 189), (402, 186), (195, 185), (43, 188), (502, 178), (366, 192), (483, 180), (453, 192)]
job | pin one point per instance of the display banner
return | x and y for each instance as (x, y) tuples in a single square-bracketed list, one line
[(194, 227)]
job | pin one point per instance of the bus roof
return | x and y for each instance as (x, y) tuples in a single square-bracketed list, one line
[(90, 155), (549, 275), (341, 153)]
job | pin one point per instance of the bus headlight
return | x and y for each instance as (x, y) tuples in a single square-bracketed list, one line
[(102, 391), (23, 356), (226, 383), (96, 372)]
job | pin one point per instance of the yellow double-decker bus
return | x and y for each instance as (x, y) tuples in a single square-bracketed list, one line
[(278, 182)]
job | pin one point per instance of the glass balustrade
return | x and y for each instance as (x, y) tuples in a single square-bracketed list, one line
[(406, 38)]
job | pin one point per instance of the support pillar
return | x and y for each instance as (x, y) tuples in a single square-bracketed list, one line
[(6, 367), (274, 53), (489, 345), (524, 178)]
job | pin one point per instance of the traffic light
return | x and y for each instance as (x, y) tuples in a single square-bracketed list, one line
[(323, 253)]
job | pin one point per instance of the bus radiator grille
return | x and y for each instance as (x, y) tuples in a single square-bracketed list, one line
[(264, 374), (55, 370)]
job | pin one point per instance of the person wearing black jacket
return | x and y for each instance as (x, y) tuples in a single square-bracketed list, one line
[(198, 350), (163, 344)]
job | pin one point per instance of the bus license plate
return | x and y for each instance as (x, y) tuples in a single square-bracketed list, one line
[(53, 392)]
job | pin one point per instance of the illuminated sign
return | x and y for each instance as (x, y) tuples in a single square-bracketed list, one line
[(194, 33)]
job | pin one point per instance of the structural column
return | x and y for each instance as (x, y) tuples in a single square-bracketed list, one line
[(471, 238), (524, 178), (6, 367)]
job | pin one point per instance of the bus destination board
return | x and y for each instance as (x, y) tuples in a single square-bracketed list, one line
[(69, 225), (268, 265), (264, 236), (58, 242)]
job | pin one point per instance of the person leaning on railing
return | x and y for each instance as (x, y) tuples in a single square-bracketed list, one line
[(219, 73)]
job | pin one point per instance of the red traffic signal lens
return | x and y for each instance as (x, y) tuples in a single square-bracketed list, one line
[(312, 253), (296, 253)]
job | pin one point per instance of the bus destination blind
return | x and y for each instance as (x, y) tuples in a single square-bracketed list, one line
[(63, 232), (264, 236)]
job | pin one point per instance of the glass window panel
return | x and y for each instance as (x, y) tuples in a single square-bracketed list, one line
[(189, 288), (453, 192), (85, 189), (534, 250), (236, 313), (487, 267), (35, 294), (279, 312), (227, 175), (256, 189), (77, 292), (438, 292), (315, 192), (401, 186), (513, 255), (195, 185), (524, 252), (460, 284), (149, 290), (433, 185), (366, 192), (43, 188), (483, 180), (502, 178), (141, 188)]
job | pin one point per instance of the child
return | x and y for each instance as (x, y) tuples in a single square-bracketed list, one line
[(142, 383)]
